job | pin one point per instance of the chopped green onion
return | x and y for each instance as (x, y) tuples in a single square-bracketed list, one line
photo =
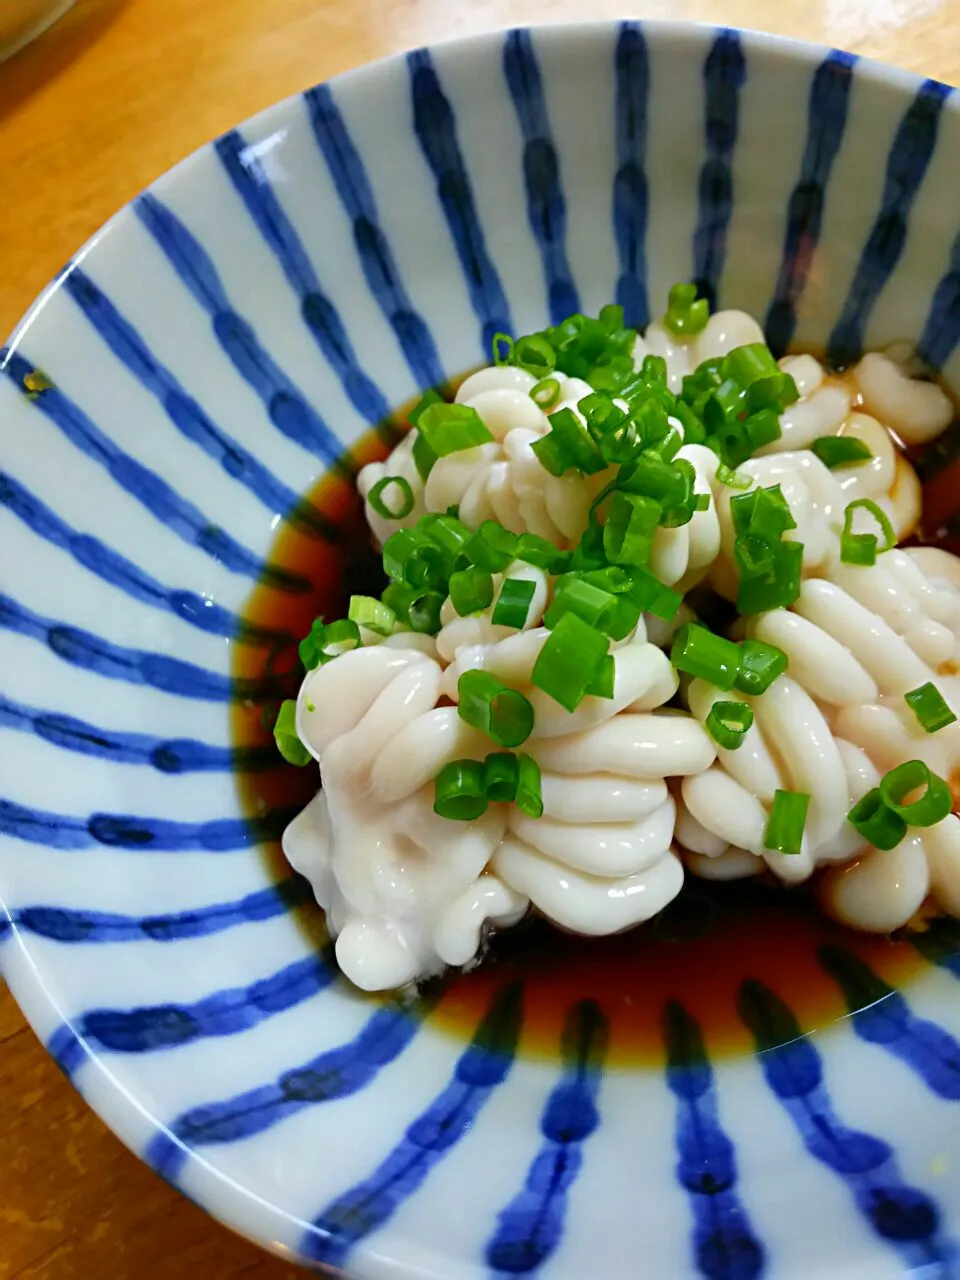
[(764, 513), (611, 317), (501, 772), (699, 652), (500, 712), (502, 349), (628, 533), (724, 407), (728, 722), (762, 427), (450, 428), (841, 451), (876, 821), (732, 479), (417, 412), (513, 603), (447, 532), (760, 665), (323, 643), (529, 791), (423, 615), (532, 549), (546, 393), (570, 661), (621, 618), (775, 589), (492, 547), (788, 815), (929, 706), (392, 498), (652, 596), (880, 516), (929, 808), (534, 354), (471, 591), (701, 502), (694, 431), (686, 314), (652, 477), (574, 595), (287, 739), (460, 791), (858, 548), (424, 458), (373, 614), (568, 446), (603, 685), (748, 364)]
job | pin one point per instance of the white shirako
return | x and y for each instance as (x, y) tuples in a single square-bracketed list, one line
[(407, 892)]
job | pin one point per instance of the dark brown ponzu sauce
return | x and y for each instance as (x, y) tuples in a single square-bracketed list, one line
[(699, 951)]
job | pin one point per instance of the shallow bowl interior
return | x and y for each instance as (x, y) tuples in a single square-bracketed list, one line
[(197, 368)]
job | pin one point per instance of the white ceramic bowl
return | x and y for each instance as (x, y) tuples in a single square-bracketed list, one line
[(192, 372)]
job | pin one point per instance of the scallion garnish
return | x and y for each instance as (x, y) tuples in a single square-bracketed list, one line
[(392, 498), (492, 547), (286, 736), (460, 791), (732, 479), (728, 722), (570, 661), (451, 428), (471, 590), (532, 549), (501, 771), (534, 354), (373, 614), (841, 451), (760, 665), (929, 808), (546, 393), (513, 603), (862, 548), (502, 713), (699, 652), (652, 596), (686, 314), (429, 398), (603, 685), (568, 446), (788, 815), (502, 349), (325, 642), (631, 523), (529, 791), (876, 821), (575, 595), (929, 706), (424, 458)]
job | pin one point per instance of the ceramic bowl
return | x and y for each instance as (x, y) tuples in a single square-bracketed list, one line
[(693, 1101)]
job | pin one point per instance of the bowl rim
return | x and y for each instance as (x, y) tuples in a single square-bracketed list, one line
[(115, 1106)]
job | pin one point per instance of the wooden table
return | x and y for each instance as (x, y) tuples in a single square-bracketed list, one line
[(92, 112)]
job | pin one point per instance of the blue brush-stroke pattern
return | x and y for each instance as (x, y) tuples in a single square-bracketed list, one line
[(725, 1246), (904, 1217), (907, 164), (941, 333), (166, 755), (546, 204), (530, 1229), (376, 257), (435, 125), (146, 487), (287, 407), (184, 411), (170, 1026), (317, 309), (940, 944), (826, 125), (138, 834), (881, 1016), (631, 196), (366, 1207), (136, 666), (336, 1073), (724, 75), (78, 927), (110, 566)]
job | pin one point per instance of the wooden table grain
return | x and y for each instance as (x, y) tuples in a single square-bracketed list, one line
[(93, 111)]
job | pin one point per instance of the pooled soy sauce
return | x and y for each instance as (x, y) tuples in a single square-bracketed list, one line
[(700, 951)]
